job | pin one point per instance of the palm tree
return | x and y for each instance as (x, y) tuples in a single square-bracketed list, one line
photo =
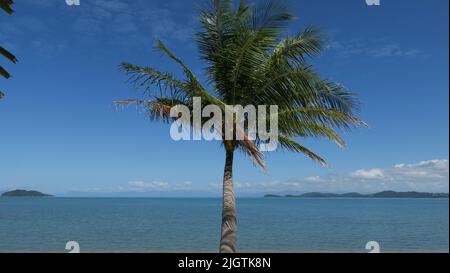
[(249, 63), (6, 6)]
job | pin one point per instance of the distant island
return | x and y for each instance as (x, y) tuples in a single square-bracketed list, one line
[(383, 194), (24, 193)]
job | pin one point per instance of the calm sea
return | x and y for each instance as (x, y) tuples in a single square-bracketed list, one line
[(192, 225)]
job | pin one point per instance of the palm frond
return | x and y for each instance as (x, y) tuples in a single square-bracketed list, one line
[(146, 77), (4, 73), (271, 14), (195, 87), (330, 117), (292, 126), (250, 149), (249, 55), (287, 87), (6, 6), (291, 145), (307, 43), (335, 96), (158, 109), (8, 55)]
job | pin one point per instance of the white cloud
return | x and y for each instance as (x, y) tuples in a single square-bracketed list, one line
[(368, 174), (7, 187), (314, 179), (394, 50), (432, 169), (376, 49), (425, 176), (143, 186), (148, 186), (183, 186)]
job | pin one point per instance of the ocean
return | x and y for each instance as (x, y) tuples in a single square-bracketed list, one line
[(193, 224)]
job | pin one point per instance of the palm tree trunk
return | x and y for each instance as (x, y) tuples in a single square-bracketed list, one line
[(228, 238)]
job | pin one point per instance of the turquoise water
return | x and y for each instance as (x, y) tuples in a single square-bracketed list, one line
[(192, 225)]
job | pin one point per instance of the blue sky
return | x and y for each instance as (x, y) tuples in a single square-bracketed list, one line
[(59, 130)]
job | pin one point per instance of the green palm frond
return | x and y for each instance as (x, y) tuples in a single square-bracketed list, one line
[(307, 43), (271, 14), (4, 73), (293, 146), (145, 78), (193, 87), (250, 54), (287, 87), (6, 6), (329, 117), (8, 55), (158, 109), (335, 96), (250, 149), (294, 127)]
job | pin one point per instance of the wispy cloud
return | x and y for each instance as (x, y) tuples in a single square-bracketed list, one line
[(428, 176), (111, 5), (376, 49), (43, 3), (395, 50), (134, 22), (431, 169), (368, 174), (7, 187), (425, 176), (100, 16), (152, 186), (161, 23), (118, 23), (148, 186)]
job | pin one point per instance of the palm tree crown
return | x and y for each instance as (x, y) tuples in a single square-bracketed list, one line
[(249, 62)]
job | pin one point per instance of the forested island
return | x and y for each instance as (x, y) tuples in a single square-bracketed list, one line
[(383, 194), (24, 193)]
